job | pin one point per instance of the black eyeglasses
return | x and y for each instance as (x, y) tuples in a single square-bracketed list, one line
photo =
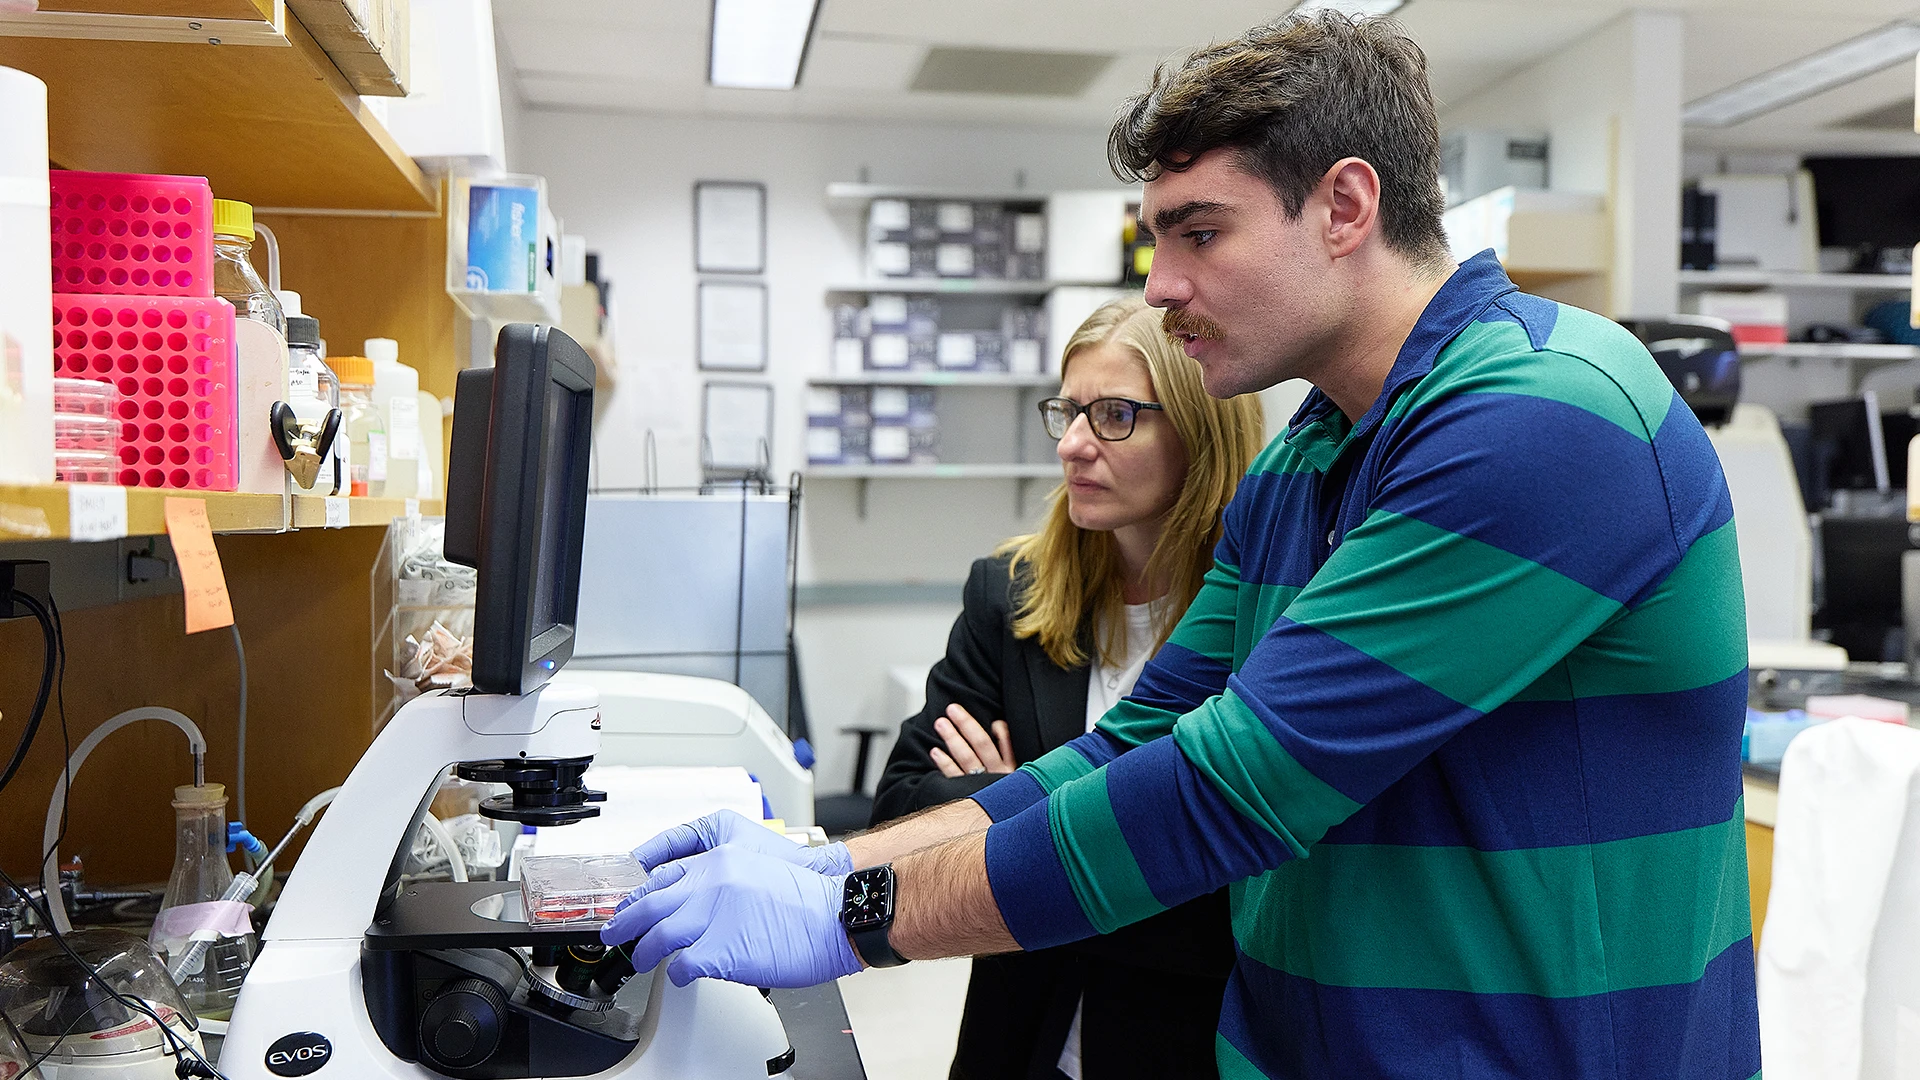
[(1111, 418)]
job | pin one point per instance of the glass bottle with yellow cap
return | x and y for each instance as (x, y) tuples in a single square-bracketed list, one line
[(234, 278)]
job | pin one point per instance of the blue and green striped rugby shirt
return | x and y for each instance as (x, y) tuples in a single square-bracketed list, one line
[(1457, 715)]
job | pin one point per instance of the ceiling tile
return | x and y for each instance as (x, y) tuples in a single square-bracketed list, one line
[(650, 55), (837, 63)]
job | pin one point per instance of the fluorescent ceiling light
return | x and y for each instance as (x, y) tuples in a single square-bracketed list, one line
[(1348, 7), (760, 44), (1807, 76)]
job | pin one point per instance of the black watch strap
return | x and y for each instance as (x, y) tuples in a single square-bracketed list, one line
[(866, 910), (874, 949)]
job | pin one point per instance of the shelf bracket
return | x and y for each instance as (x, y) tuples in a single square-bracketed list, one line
[(860, 498), (90, 26)]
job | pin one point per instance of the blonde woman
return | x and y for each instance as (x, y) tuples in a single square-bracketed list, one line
[(1055, 629)]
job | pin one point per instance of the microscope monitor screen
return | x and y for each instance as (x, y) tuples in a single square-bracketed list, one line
[(517, 501)]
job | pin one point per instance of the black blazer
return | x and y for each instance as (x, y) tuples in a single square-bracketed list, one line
[(1152, 990)]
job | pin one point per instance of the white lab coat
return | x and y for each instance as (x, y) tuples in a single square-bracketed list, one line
[(1839, 966)]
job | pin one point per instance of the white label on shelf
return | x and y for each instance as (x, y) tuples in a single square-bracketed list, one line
[(403, 428), (376, 457), (1029, 233), (96, 512), (956, 217), (886, 351), (339, 514), (823, 444), (957, 351), (889, 402), (887, 309), (954, 260), (888, 215), (1023, 357), (849, 356), (413, 508), (889, 258)]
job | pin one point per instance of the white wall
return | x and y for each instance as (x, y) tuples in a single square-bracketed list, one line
[(625, 182), (1610, 105)]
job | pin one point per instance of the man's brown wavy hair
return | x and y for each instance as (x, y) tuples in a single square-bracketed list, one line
[(1292, 98)]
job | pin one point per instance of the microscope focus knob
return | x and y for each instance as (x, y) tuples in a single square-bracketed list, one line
[(462, 1027)]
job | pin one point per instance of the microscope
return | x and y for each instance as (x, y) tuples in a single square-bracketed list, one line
[(363, 976)]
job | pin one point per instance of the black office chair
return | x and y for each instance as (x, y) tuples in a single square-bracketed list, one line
[(1699, 358), (837, 814), (842, 814)]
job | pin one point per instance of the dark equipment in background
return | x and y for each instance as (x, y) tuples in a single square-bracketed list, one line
[(1860, 605), (1855, 474), (1699, 357), (1869, 205), (1842, 454), (1699, 228)]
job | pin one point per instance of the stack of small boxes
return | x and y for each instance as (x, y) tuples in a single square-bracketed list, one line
[(926, 238), (133, 308), (899, 333), (873, 425)]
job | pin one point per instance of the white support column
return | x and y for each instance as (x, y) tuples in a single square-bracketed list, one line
[(1646, 213), (1610, 107)]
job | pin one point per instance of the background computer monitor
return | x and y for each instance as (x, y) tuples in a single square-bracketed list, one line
[(1842, 448), (517, 501), (1861, 606)]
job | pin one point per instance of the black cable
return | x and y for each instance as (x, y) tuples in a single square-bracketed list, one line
[(240, 768), (177, 1045), (46, 688), (66, 736)]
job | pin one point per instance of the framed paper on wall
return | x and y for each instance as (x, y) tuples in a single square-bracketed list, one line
[(732, 326), (729, 227), (736, 426)]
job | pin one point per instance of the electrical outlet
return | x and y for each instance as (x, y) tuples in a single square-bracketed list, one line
[(29, 576)]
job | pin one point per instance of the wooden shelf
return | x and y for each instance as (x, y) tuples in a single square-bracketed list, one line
[(310, 511), (983, 379), (39, 512), (956, 471), (275, 125), (1781, 279)]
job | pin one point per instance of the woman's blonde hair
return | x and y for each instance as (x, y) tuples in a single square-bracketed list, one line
[(1066, 573)]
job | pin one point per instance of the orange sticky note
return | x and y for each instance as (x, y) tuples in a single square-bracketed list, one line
[(205, 584)]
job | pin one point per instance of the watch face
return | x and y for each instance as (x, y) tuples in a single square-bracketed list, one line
[(868, 899)]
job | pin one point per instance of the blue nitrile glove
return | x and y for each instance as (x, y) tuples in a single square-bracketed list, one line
[(738, 915), (732, 827)]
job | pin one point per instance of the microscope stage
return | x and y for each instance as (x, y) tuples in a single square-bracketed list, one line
[(465, 915)]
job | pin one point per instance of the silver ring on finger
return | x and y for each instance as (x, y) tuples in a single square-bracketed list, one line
[(976, 770)]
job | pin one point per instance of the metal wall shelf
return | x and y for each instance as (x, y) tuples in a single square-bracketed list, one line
[(952, 471), (843, 195), (993, 380), (1781, 279)]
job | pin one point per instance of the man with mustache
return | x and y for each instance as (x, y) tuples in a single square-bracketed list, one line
[(1457, 713)]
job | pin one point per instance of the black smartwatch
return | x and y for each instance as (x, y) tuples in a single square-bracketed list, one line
[(866, 910)]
